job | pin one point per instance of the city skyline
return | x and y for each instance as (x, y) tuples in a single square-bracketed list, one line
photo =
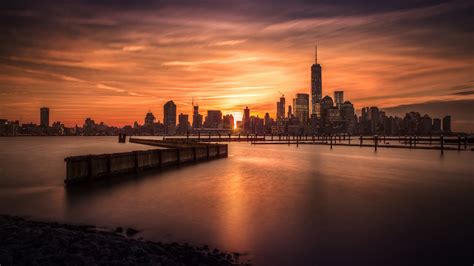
[(115, 68)]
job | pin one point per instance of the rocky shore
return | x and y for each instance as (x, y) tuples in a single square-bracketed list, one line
[(44, 243)]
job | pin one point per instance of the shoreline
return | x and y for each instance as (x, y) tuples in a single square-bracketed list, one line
[(34, 242)]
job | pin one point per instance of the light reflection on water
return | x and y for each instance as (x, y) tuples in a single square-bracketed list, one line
[(280, 204)]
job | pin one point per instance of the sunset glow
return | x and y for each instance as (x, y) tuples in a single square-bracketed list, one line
[(115, 63)]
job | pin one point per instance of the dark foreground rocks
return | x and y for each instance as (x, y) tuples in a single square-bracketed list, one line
[(40, 243)]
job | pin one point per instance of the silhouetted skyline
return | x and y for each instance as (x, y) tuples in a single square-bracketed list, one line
[(115, 60)]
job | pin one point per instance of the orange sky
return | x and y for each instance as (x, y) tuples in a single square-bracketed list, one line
[(115, 64)]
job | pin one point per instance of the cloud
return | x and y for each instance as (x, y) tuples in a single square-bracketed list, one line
[(119, 58)]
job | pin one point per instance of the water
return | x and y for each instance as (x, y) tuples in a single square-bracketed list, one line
[(281, 205)]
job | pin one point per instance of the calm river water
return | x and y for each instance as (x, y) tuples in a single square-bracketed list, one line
[(281, 205)]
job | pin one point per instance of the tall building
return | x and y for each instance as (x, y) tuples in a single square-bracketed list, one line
[(183, 123), (301, 107), (316, 84), (169, 118), (436, 124), (281, 108), (228, 121), (447, 124), (197, 117), (213, 119), (290, 113), (348, 113), (339, 98), (246, 119), (44, 117)]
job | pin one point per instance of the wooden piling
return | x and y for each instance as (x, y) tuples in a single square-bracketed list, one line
[(441, 141), (376, 142), (459, 142)]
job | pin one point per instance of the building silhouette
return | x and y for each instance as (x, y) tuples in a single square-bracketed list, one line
[(169, 118), (228, 121), (281, 108), (339, 98), (316, 84), (301, 107), (183, 124), (213, 119), (246, 120), (447, 124), (44, 117), (149, 118), (437, 125), (197, 118)]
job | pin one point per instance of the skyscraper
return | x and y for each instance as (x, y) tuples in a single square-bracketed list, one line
[(246, 119), (316, 84), (169, 118), (301, 107), (281, 108), (44, 117), (213, 119), (228, 121), (447, 124), (197, 118), (183, 123), (339, 98)]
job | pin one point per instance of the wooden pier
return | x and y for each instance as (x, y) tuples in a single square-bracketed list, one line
[(89, 168)]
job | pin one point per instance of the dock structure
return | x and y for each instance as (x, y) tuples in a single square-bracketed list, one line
[(89, 168), (403, 142)]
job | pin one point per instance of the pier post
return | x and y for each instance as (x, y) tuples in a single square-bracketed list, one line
[(415, 139), (376, 142), (459, 142), (229, 137), (272, 136), (361, 140), (187, 135), (297, 142), (410, 141), (441, 142), (430, 139), (239, 137), (465, 142), (288, 137), (330, 140), (349, 137), (199, 136)]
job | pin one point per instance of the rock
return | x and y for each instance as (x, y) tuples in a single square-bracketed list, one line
[(131, 232)]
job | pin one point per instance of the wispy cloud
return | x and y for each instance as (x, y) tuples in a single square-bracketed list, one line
[(120, 59)]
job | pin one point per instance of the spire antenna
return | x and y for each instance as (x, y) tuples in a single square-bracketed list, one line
[(316, 54)]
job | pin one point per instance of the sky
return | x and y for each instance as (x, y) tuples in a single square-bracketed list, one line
[(114, 61)]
